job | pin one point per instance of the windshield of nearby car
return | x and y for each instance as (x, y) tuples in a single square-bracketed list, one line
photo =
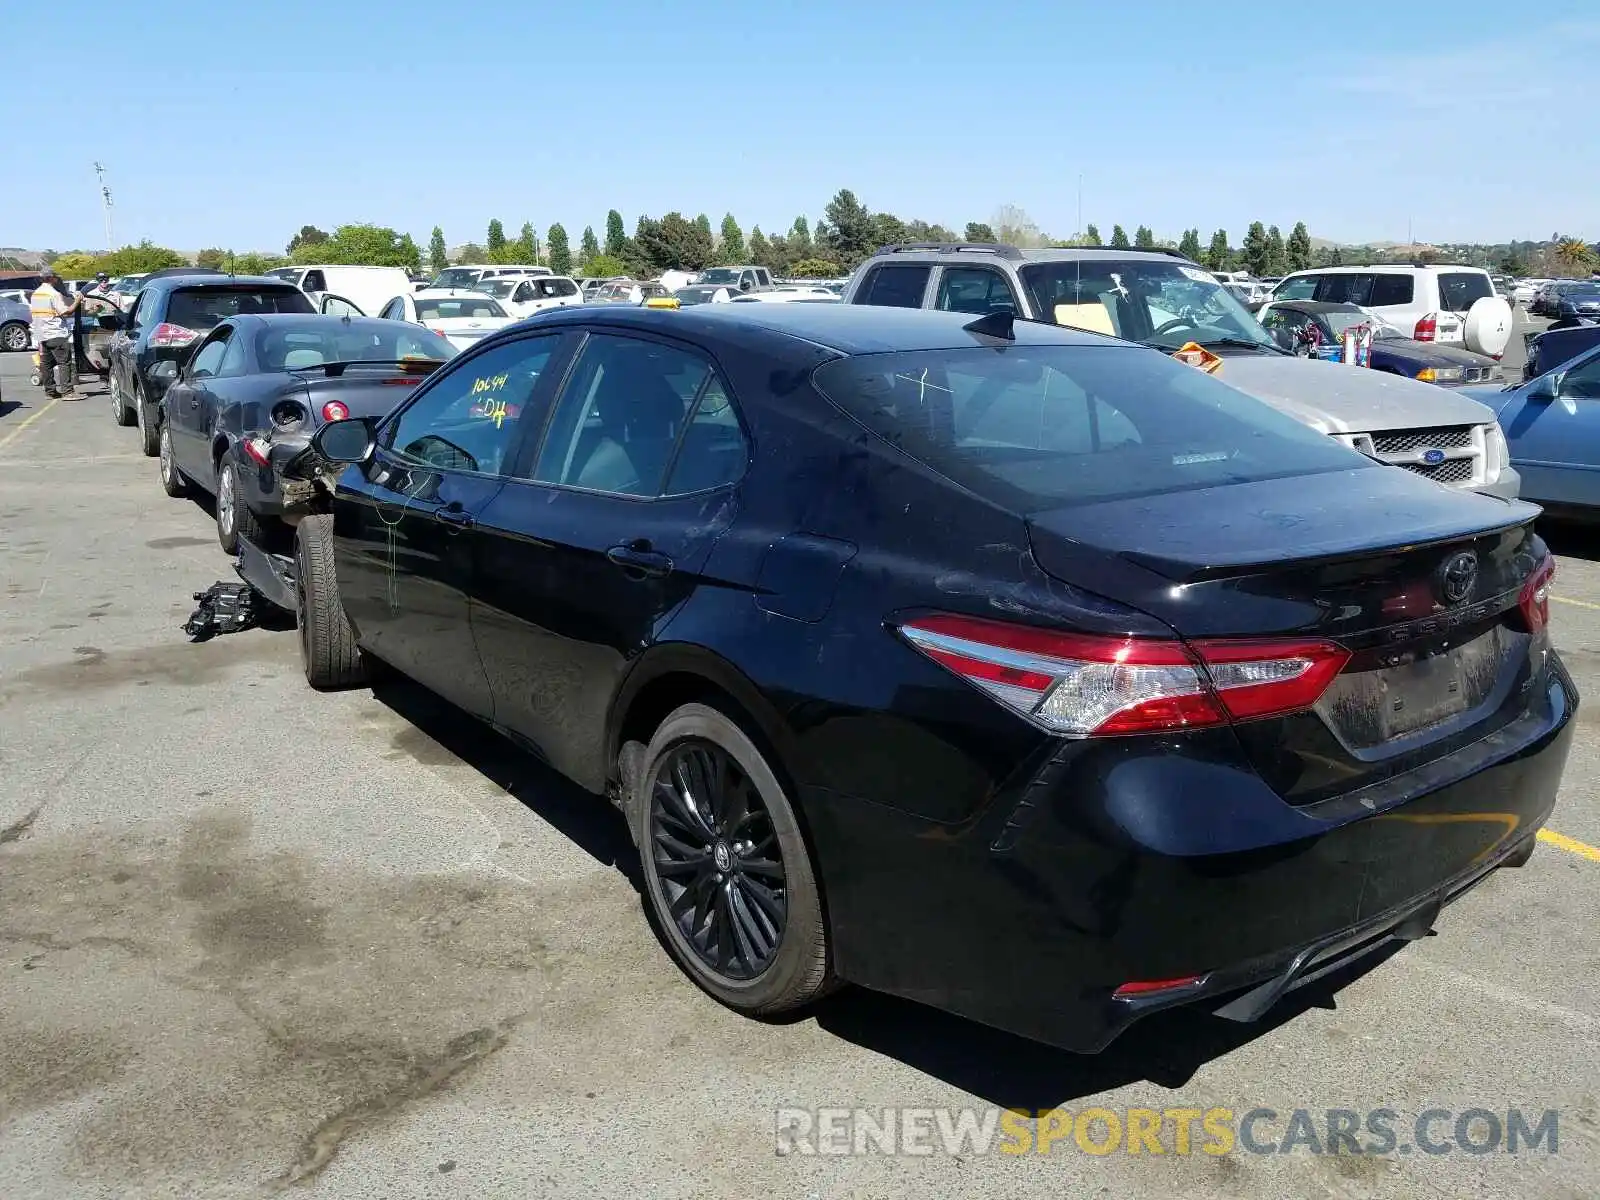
[(456, 277), (1160, 303), (719, 275), (295, 345), (497, 287), (205, 308), (1041, 427), (459, 306), (1460, 290)]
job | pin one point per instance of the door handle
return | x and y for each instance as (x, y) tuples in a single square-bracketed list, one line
[(637, 559), (454, 516)]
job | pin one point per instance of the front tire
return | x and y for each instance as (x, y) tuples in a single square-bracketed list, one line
[(149, 426), (327, 642), (172, 480), (726, 867)]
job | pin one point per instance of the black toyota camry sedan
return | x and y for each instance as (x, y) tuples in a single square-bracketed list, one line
[(1020, 671)]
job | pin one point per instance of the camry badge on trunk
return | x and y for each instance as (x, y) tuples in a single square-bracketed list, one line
[(1457, 576)]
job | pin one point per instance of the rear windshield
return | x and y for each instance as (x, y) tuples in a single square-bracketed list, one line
[(500, 288), (204, 308), (1460, 290), (293, 347), (1042, 427), (459, 306)]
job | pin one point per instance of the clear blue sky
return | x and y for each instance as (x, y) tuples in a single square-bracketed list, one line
[(233, 124)]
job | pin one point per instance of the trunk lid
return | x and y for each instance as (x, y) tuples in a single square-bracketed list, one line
[(1420, 583)]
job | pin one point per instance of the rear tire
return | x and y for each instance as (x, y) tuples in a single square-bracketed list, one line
[(235, 521), (172, 480), (754, 864), (120, 412), (328, 649), (14, 337)]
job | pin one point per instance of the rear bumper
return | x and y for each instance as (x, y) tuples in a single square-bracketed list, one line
[(1120, 863)]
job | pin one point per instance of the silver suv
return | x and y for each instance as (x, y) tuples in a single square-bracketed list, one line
[(1165, 301)]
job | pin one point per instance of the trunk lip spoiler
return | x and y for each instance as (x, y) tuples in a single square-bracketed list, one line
[(337, 369)]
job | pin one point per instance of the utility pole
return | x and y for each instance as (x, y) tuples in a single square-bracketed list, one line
[(105, 196), (1078, 237)]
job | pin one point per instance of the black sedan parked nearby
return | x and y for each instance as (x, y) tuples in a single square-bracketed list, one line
[(1308, 326), (259, 384), (1017, 670), (1579, 300), (170, 313)]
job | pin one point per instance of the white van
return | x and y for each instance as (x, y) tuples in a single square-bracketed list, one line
[(365, 289)]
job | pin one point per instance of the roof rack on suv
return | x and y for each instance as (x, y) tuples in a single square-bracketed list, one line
[(999, 248)]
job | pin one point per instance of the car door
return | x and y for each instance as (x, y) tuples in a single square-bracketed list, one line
[(1555, 440), (337, 306), (190, 405), (599, 537), (125, 346), (404, 523)]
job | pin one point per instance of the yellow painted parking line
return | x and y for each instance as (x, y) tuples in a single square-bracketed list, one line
[(17, 432), (1571, 845), (1557, 599)]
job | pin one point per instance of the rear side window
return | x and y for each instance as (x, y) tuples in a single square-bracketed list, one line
[(1460, 290), (1345, 289), (973, 290), (1042, 427), (1393, 289), (558, 287), (206, 308), (895, 285)]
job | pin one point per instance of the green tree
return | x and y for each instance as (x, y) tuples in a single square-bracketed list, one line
[(366, 246), (496, 241), (887, 230), (214, 258), (1091, 235), (1189, 245), (798, 243), (1257, 251), (560, 252), (309, 235), (253, 262), (1143, 239), (849, 230), (814, 268), (131, 260), (1298, 251), (1219, 255), (438, 256), (588, 248), (1119, 238), (1514, 264), (780, 253), (732, 252), (760, 248), (1276, 256), (703, 224), (473, 253), (604, 266), (616, 236), (77, 264), (979, 231), (526, 247)]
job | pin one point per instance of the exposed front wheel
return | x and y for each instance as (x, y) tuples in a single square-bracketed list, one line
[(327, 642), (726, 867)]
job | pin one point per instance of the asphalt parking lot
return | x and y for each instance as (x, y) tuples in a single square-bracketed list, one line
[(255, 938)]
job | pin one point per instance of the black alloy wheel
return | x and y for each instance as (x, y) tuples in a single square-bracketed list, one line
[(715, 852)]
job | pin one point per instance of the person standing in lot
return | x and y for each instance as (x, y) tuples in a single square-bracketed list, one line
[(53, 335)]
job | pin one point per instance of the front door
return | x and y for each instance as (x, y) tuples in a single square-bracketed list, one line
[(405, 524), (1555, 443), (188, 406), (338, 306), (601, 535)]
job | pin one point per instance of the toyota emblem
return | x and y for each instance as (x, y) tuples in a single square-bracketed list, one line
[(1457, 577)]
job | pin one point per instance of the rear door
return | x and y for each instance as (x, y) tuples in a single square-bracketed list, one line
[(405, 523), (587, 552)]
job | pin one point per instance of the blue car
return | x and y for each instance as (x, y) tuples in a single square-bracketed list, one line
[(1552, 425)]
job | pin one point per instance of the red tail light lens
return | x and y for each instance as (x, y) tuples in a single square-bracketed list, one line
[(333, 410), (1089, 685), (1149, 987), (258, 449), (1534, 599), (1427, 328), (167, 334)]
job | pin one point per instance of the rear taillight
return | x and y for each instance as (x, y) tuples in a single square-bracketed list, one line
[(334, 410), (1084, 684), (1534, 599), (1427, 328), (167, 334)]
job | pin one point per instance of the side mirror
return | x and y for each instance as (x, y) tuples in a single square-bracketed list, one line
[(744, 285), (164, 371), (1544, 389), (348, 441)]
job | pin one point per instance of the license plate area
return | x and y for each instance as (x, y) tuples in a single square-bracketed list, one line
[(1378, 705)]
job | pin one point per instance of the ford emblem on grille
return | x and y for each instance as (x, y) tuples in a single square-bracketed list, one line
[(1432, 456), (1457, 576)]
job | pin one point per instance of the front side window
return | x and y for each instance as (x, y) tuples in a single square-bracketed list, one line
[(617, 423), (1582, 382), (314, 282), (233, 360), (467, 421), (974, 290), (1301, 287), (895, 285), (1040, 427)]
